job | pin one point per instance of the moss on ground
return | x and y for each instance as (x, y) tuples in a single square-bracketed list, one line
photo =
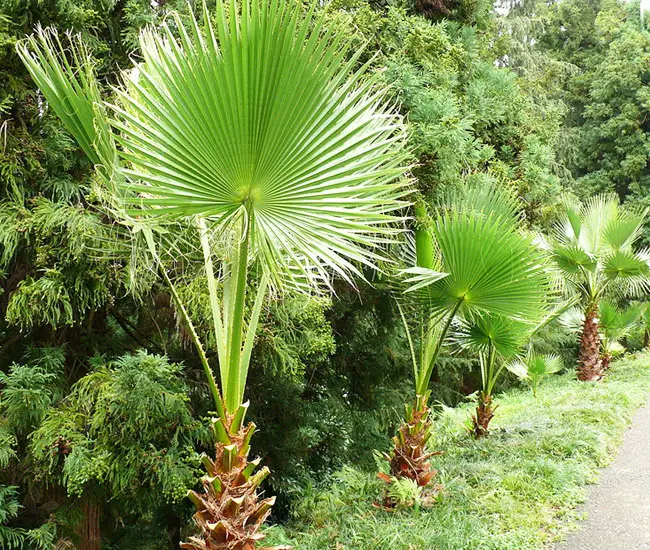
[(518, 489)]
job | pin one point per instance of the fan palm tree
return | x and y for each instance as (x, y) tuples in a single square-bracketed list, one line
[(471, 258), (615, 324), (593, 246), (495, 340), (258, 131), (534, 367)]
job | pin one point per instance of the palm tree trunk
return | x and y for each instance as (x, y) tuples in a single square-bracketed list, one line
[(589, 364), (646, 338), (484, 414), (90, 530), (229, 511), (410, 458)]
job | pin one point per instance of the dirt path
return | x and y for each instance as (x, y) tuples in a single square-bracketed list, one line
[(618, 508)]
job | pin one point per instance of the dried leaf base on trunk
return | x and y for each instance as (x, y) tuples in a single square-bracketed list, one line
[(605, 362), (230, 512), (483, 416), (589, 365), (409, 458)]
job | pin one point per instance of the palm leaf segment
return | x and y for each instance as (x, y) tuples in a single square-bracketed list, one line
[(593, 246)]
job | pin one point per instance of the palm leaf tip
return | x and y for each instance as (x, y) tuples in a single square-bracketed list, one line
[(261, 118), (64, 71)]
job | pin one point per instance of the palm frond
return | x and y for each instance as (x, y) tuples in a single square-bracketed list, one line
[(535, 365), (482, 197), (66, 77), (260, 122), (492, 268), (626, 264), (488, 332)]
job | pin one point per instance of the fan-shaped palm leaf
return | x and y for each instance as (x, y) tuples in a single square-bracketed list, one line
[(492, 267), (487, 333), (534, 367), (259, 120)]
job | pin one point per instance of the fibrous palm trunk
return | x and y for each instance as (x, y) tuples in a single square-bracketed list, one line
[(482, 417), (589, 364), (410, 457), (229, 511)]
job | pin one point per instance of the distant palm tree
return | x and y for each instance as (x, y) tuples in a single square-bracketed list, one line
[(534, 367), (593, 245), (258, 131)]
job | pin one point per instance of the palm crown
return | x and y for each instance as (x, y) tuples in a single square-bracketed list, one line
[(593, 246)]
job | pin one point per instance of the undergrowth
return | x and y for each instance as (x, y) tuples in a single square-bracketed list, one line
[(517, 489)]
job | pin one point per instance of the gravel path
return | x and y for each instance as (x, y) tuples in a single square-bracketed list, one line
[(618, 508)]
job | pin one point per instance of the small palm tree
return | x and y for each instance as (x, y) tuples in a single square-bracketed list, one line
[(534, 367), (471, 259), (615, 324), (495, 340), (256, 131), (593, 246)]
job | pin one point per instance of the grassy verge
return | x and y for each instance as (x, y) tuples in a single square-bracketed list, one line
[(516, 490)]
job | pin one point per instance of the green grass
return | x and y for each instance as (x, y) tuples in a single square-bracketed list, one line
[(518, 489)]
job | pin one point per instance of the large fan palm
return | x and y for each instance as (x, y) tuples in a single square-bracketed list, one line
[(593, 245), (472, 259), (256, 130)]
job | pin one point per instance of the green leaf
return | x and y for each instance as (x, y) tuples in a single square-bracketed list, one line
[(65, 74), (492, 268), (262, 122), (486, 332), (626, 264), (572, 259)]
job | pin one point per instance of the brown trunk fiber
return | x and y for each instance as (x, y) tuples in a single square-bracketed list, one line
[(589, 365), (605, 361), (483, 416), (410, 458), (90, 532), (646, 338), (433, 8), (230, 511)]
